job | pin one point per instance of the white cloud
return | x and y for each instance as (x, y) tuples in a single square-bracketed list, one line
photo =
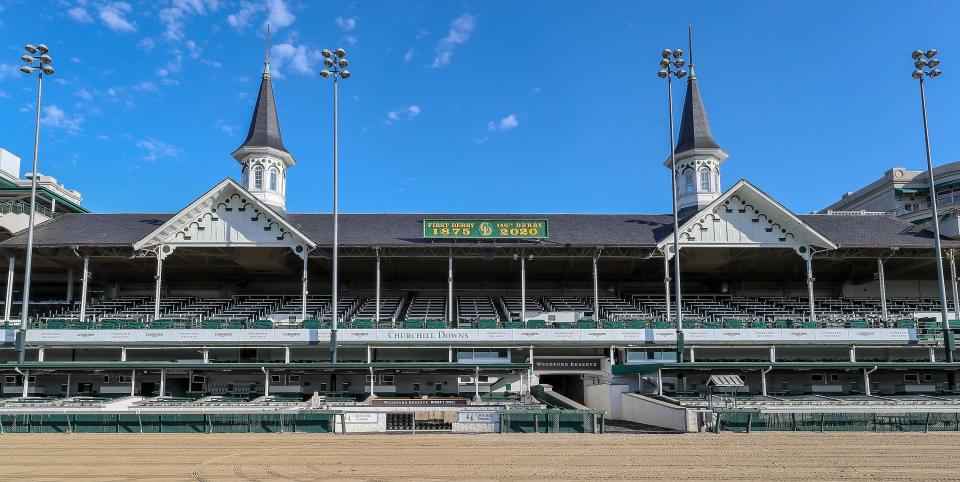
[(80, 14), (409, 55), (84, 94), (197, 6), (345, 24), (173, 66), (227, 129), (146, 44), (407, 112), (241, 18), (56, 118), (114, 16), (4, 95), (536, 90), (460, 31), (8, 70), (156, 149), (278, 14), (146, 86), (351, 40), (505, 124), (300, 59), (174, 18)]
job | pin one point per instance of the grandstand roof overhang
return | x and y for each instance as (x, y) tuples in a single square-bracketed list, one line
[(227, 216), (745, 216)]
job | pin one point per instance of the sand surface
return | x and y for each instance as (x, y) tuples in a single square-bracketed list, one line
[(758, 456)]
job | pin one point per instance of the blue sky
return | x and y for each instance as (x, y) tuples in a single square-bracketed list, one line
[(475, 106)]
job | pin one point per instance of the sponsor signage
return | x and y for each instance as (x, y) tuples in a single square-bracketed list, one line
[(418, 402), (567, 364), (477, 417), (465, 336), (485, 228), (353, 417)]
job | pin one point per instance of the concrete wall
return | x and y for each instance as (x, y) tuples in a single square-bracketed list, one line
[(640, 409), (607, 397)]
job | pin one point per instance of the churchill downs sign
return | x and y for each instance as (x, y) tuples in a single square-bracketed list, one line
[(485, 228)]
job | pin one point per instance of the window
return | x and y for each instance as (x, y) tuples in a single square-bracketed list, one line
[(816, 378), (293, 379), (323, 386), (276, 379), (416, 388), (273, 178), (387, 379), (258, 177), (704, 179), (106, 379), (927, 377), (911, 378), (688, 181), (346, 386), (834, 377)]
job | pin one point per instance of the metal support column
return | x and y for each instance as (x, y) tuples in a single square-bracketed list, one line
[(763, 380), (163, 382), (9, 299), (83, 288), (810, 279), (881, 275), (266, 381), (303, 289), (476, 382), (159, 279), (70, 285), (450, 289), (773, 354), (133, 382), (866, 380), (523, 290), (596, 289), (123, 353), (666, 282), (26, 384), (953, 284), (286, 354), (376, 316), (853, 354), (372, 380)]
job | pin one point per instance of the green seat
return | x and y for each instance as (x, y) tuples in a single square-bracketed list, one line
[(211, 324), (486, 324), (82, 325), (513, 325), (612, 325), (661, 325), (783, 324), (932, 325), (537, 324), (180, 324), (53, 324), (385, 325), (262, 325), (809, 324), (235, 325), (413, 324), (109, 324), (734, 324), (161, 324), (436, 324), (636, 324), (363, 324), (907, 323), (587, 324), (131, 325), (954, 323), (712, 325), (859, 324), (311, 324)]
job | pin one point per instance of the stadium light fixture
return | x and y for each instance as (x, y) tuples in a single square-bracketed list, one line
[(925, 68), (41, 63), (668, 70), (335, 67)]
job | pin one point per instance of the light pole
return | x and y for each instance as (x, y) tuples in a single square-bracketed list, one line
[(925, 66), (671, 65), (337, 63), (39, 63)]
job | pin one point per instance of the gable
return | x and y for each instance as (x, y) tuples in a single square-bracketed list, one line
[(744, 216), (227, 216)]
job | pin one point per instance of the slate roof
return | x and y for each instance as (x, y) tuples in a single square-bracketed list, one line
[(578, 230), (265, 126), (694, 127)]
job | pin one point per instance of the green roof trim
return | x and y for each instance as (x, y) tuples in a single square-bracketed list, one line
[(6, 185)]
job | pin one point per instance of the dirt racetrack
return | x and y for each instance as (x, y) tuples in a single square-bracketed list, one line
[(758, 456)]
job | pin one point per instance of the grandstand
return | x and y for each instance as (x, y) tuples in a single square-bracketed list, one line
[(450, 321)]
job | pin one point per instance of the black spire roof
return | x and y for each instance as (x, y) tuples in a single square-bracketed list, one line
[(694, 126), (265, 127)]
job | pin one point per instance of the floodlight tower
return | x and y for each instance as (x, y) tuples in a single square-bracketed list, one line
[(336, 63)]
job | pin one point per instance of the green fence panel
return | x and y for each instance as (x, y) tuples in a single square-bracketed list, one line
[(229, 422), (15, 423), (183, 423), (49, 423), (308, 422), (95, 423)]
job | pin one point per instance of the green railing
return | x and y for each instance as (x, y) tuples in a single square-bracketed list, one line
[(294, 422), (754, 421), (551, 421)]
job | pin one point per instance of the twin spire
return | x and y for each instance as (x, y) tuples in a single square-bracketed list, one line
[(265, 126), (695, 130)]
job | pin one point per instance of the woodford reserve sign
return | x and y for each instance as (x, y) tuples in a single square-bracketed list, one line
[(567, 364), (485, 228)]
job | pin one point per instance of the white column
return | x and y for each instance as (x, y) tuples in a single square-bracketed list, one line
[(68, 385), (70, 285), (883, 288), (369, 354), (206, 355), (953, 284), (26, 383), (763, 380), (377, 308), (866, 380), (853, 354), (266, 382), (8, 304), (523, 290), (450, 289), (773, 354), (159, 278), (133, 382), (596, 289), (449, 354), (83, 287), (809, 259), (476, 382), (303, 290), (123, 353), (666, 281), (659, 381), (612, 356), (693, 355), (163, 382), (286, 354), (932, 353), (372, 381), (41, 354)]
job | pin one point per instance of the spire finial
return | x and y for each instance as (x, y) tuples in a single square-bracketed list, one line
[(690, 45), (266, 63)]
